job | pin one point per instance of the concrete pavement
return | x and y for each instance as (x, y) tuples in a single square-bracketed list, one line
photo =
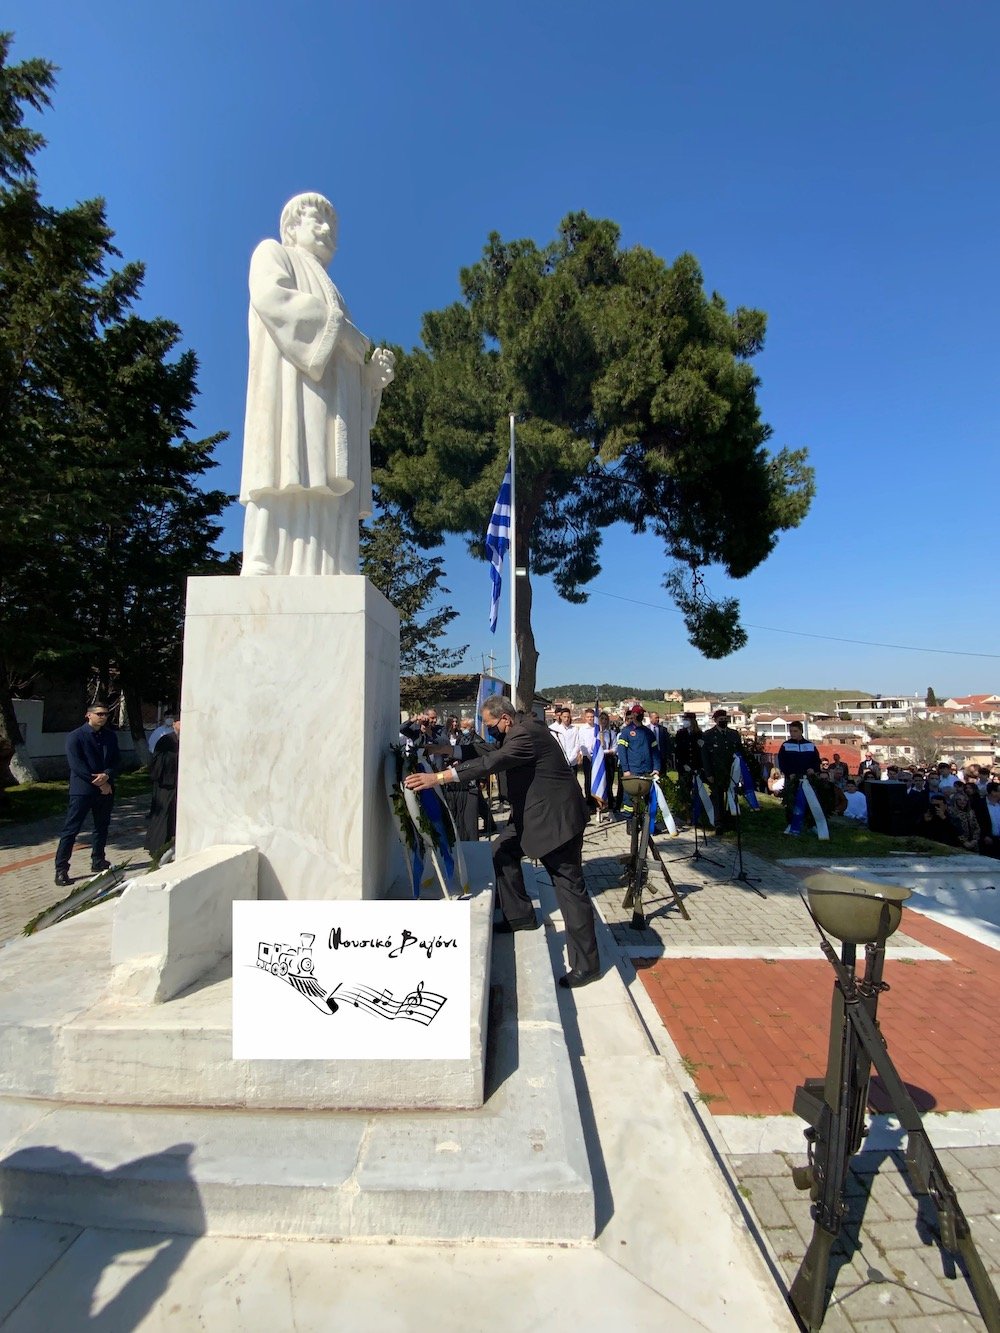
[(694, 1232), (743, 994)]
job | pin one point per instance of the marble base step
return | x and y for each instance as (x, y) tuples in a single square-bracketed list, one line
[(66, 1035), (516, 1168)]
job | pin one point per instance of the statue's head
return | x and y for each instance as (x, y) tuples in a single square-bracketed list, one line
[(309, 221)]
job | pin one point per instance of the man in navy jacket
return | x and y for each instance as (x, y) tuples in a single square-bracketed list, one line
[(94, 763)]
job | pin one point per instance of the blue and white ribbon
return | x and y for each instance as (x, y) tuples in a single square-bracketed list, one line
[(498, 544), (431, 803), (417, 864), (658, 805), (798, 812), (741, 774), (806, 796), (822, 828), (749, 790), (703, 799)]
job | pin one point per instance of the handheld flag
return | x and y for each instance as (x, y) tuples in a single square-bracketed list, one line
[(487, 685), (598, 772), (498, 544)]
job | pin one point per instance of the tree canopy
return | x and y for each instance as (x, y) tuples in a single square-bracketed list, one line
[(101, 517), (636, 401), (411, 580)]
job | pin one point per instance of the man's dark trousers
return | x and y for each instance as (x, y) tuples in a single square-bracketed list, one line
[(585, 767), (564, 865), (79, 808)]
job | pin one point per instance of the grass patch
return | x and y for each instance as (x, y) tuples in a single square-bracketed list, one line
[(782, 700), (690, 1066), (41, 800), (764, 833)]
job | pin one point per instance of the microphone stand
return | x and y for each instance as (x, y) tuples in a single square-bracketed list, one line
[(741, 876)]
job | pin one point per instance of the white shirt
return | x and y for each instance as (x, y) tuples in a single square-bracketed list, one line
[(569, 741), (585, 731), (857, 805)]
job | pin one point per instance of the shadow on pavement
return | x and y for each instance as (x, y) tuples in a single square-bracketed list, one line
[(63, 1297)]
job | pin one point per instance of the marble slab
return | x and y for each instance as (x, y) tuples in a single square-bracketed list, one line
[(515, 1167), (70, 1033), (175, 924), (290, 700)]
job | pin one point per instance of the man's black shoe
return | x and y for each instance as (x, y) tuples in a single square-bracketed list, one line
[(521, 923), (98, 866), (573, 980), (62, 879)]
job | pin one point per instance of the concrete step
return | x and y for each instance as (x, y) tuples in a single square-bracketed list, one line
[(66, 1035), (514, 1169)]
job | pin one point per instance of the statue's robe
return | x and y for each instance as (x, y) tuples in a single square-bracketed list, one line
[(311, 404)]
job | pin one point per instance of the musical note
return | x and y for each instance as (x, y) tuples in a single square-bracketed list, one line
[(419, 1006), (288, 963)]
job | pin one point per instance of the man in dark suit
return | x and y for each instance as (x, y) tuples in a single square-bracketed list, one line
[(94, 763), (664, 743), (548, 816)]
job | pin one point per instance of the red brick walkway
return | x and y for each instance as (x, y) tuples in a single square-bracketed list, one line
[(753, 1029)]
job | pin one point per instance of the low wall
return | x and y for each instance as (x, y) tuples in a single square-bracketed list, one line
[(47, 749)]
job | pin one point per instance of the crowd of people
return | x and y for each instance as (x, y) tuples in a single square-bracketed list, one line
[(548, 816), (956, 805)]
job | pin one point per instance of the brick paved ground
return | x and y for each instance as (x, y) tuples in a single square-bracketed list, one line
[(744, 993), (725, 914), (27, 867), (890, 1272)]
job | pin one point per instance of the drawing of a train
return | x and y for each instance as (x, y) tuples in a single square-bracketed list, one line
[(285, 959)]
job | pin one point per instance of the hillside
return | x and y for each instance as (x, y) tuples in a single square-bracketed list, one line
[(783, 700), (778, 700)]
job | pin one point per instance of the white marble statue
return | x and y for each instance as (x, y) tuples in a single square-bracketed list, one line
[(312, 400)]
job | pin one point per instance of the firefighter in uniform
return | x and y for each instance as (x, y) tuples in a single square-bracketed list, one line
[(637, 752)]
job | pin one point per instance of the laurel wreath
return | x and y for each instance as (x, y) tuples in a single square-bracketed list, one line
[(416, 835)]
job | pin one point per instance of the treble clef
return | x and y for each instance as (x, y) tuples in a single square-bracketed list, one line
[(415, 998)]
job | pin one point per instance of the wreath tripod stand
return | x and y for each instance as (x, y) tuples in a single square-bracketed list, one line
[(636, 868)]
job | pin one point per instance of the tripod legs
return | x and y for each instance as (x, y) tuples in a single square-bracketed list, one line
[(741, 875), (635, 873)]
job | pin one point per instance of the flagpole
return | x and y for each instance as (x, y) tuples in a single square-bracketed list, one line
[(513, 573)]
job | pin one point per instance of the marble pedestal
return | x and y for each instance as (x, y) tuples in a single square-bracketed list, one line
[(290, 701)]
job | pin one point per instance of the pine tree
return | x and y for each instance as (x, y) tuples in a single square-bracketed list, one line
[(411, 580), (102, 519), (636, 402)]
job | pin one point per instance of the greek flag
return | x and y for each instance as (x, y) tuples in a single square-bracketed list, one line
[(498, 543), (598, 773)]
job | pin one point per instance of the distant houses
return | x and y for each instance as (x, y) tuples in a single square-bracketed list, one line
[(962, 729)]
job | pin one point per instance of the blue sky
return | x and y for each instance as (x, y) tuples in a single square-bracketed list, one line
[(833, 165)]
